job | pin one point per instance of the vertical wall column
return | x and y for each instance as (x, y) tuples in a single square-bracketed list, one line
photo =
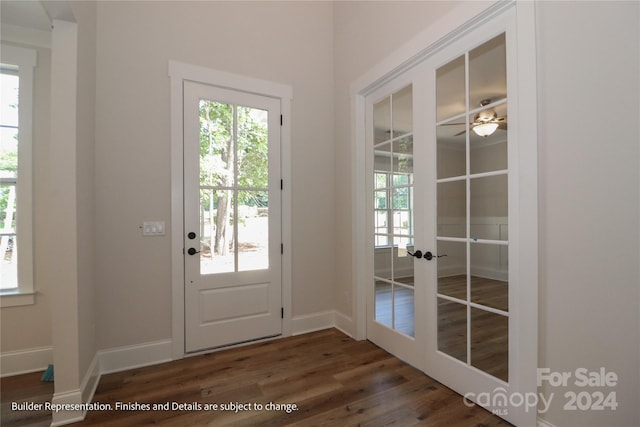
[(62, 263)]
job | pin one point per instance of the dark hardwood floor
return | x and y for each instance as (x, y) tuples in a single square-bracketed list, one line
[(24, 388), (332, 379)]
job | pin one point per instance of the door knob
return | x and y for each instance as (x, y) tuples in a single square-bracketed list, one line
[(429, 256), (192, 251), (417, 254)]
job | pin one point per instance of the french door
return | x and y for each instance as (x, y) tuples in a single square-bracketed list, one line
[(232, 224), (445, 291)]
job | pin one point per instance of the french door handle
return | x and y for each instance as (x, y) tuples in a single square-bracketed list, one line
[(429, 256), (417, 254), (192, 251)]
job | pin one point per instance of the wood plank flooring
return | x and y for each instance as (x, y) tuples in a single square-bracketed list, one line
[(24, 388), (332, 379)]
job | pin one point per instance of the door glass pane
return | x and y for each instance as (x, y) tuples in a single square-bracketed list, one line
[(452, 329), (452, 209), (234, 177), (403, 309), (382, 121), (217, 150), (450, 89), (489, 207), (452, 269), (488, 72), (383, 303), (402, 112), (403, 157), (217, 243), (253, 230), (489, 153), (490, 343), (402, 261), (393, 211), (253, 148), (382, 261), (382, 164), (490, 275), (452, 153)]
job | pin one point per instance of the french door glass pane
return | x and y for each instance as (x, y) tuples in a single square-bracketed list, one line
[(489, 207), (451, 154), (490, 343), (382, 121), (383, 303), (488, 72), (450, 89), (452, 328), (403, 306), (490, 275), (403, 112), (452, 209), (489, 153), (452, 269)]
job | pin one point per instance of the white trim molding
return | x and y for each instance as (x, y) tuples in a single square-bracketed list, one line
[(178, 73), (26, 60), (313, 322), (25, 361), (134, 356)]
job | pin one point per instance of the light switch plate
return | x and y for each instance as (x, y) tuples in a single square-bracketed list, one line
[(153, 228)]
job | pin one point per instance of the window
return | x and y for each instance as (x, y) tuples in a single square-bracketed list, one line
[(16, 94), (393, 216)]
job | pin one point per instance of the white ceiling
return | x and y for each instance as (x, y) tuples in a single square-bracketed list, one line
[(24, 13)]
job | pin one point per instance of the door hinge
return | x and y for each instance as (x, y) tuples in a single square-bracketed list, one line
[(281, 120), (282, 312), (281, 248), (281, 184)]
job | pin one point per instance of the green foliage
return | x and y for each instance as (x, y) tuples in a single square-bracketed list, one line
[(225, 157), (8, 161)]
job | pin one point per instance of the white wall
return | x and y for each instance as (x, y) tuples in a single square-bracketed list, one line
[(288, 42), (588, 68)]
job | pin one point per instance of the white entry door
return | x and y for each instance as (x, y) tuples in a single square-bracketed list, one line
[(447, 285), (232, 224)]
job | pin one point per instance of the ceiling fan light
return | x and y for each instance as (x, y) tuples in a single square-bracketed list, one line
[(485, 129)]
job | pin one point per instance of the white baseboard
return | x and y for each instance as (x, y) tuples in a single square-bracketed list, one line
[(313, 322), (543, 423), (344, 324), (134, 356), (60, 418), (25, 361)]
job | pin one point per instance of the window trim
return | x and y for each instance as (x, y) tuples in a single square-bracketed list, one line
[(25, 60)]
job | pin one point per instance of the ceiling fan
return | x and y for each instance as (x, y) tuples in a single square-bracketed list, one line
[(485, 122)]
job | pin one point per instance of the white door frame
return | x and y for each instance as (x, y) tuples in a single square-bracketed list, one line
[(178, 73), (450, 27)]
